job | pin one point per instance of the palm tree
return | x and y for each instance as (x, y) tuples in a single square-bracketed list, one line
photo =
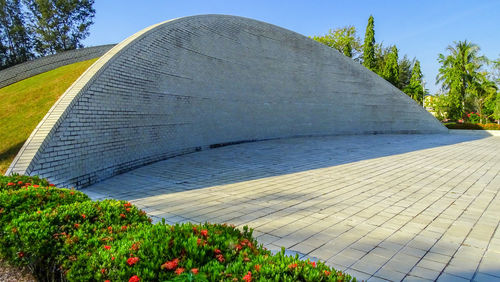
[(458, 72)]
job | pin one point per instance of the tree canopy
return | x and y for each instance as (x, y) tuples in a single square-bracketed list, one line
[(30, 28)]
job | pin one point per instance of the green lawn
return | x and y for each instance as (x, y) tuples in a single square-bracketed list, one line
[(25, 103)]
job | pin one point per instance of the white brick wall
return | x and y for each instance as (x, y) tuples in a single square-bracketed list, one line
[(192, 82)]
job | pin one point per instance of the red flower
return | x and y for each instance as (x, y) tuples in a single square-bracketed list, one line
[(204, 233), (20, 254), (39, 212), (248, 277), (127, 209), (112, 258), (170, 265), (292, 266), (179, 270), (103, 270), (122, 215), (107, 247), (20, 182), (327, 272), (110, 229), (51, 185), (127, 205), (77, 225), (194, 229), (84, 216), (124, 227), (312, 263), (10, 184), (220, 258), (194, 270), (36, 186), (238, 247), (107, 281), (217, 251), (134, 247), (198, 241), (132, 260), (72, 193), (134, 279), (27, 184), (257, 267)]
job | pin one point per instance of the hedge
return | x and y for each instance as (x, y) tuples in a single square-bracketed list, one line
[(61, 235), (476, 126)]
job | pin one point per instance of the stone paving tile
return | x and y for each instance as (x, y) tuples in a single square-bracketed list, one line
[(381, 207)]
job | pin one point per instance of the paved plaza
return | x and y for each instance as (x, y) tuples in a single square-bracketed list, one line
[(380, 207)]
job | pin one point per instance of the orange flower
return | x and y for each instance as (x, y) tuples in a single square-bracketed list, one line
[(127, 205), (36, 186), (170, 265), (194, 270), (292, 265), (84, 216), (10, 184), (122, 215), (124, 227), (220, 258), (179, 270), (204, 233), (132, 260), (257, 267), (127, 209), (327, 272)]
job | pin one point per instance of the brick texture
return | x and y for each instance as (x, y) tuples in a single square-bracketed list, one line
[(195, 82)]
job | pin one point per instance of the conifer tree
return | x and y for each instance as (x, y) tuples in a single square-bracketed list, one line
[(391, 68), (369, 46)]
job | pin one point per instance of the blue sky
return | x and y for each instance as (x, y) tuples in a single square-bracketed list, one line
[(420, 29)]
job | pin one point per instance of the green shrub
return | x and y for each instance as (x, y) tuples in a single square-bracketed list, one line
[(61, 235), (16, 181), (190, 252), (49, 241), (31, 199)]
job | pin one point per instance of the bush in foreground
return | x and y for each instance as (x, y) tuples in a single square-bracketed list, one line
[(61, 235)]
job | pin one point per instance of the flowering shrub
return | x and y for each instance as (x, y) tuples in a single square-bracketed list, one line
[(63, 236), (31, 199), (53, 239), (473, 117), (16, 181)]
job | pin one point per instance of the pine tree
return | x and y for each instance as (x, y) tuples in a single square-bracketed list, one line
[(391, 68), (15, 39), (415, 89), (369, 45)]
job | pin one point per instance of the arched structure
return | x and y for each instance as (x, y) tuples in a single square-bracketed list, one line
[(193, 82)]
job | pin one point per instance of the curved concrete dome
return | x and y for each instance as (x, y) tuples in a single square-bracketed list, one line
[(189, 83)]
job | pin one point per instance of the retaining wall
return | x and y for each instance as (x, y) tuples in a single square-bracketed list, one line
[(202, 81)]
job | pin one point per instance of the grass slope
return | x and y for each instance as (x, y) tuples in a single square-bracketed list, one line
[(25, 103)]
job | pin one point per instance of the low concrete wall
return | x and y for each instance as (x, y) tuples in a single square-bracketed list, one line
[(195, 82), (28, 69)]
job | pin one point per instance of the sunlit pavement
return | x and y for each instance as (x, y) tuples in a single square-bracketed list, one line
[(391, 207)]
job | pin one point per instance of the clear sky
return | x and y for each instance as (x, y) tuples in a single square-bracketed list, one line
[(420, 29)]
